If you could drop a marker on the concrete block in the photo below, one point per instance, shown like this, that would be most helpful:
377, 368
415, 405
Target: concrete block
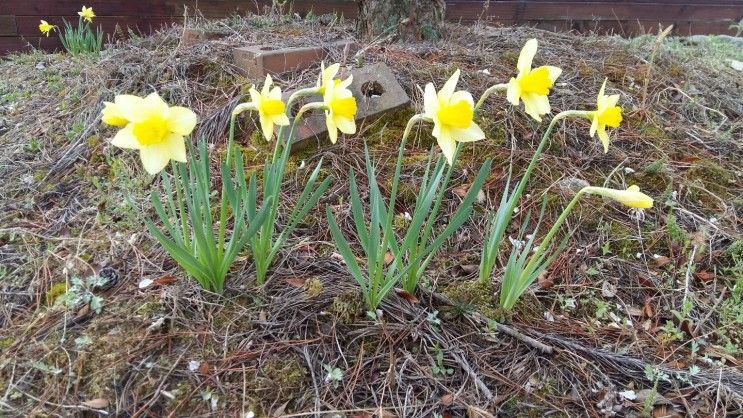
258, 60
377, 92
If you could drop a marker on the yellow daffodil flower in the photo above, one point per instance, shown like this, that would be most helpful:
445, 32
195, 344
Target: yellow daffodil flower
532, 86
45, 27
631, 197
452, 115
607, 114
326, 76
340, 109
87, 14
153, 128
112, 114
271, 109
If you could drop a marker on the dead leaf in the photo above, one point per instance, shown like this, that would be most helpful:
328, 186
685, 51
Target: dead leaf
661, 260
704, 276
461, 191
262, 316
98, 403
467, 269
633, 311
164, 280
388, 258
475, 412
407, 296
383, 413
608, 290
295, 282
203, 368
647, 309
447, 399
545, 281
686, 326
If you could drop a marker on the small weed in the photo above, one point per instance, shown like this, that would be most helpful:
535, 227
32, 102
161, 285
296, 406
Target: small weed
438, 368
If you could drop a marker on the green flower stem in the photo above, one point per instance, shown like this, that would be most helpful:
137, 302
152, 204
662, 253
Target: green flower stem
489, 92
298, 94
513, 199
533, 163
551, 234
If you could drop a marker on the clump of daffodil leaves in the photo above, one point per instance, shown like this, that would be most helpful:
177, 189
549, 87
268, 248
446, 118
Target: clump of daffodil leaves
391, 257
77, 40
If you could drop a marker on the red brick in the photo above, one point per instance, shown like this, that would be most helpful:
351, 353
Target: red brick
258, 60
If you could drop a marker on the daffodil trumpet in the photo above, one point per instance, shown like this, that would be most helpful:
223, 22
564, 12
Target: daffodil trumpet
519, 274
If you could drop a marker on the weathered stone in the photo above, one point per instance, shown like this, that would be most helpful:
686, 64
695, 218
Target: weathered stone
376, 91
258, 60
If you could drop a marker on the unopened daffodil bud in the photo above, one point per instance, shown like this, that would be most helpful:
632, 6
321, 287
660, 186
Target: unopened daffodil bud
631, 197
452, 115
607, 113
153, 128
532, 86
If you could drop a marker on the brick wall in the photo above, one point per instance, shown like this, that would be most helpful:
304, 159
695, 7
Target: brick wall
19, 19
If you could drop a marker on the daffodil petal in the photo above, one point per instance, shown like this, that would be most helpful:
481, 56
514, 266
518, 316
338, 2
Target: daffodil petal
612, 100
430, 102
332, 129
527, 56
155, 103
554, 72
603, 88
346, 83
604, 137
447, 91
594, 125
129, 106
513, 92
347, 126
461, 95
275, 93
471, 134
447, 144
176, 147
266, 127
153, 158
125, 138
267, 85
281, 120
181, 120
532, 106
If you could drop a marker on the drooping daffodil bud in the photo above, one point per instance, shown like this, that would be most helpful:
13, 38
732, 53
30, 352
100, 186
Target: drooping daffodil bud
271, 109
452, 115
152, 127
87, 14
631, 197
45, 27
532, 86
607, 113
340, 108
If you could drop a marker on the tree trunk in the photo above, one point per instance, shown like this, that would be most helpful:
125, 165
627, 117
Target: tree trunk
401, 19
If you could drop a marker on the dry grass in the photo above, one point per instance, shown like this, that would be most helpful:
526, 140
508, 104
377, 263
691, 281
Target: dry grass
64, 214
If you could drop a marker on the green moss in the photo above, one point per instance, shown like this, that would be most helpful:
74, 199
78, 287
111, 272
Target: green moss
314, 287
6, 342
58, 289
623, 241
284, 373
478, 295
348, 307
